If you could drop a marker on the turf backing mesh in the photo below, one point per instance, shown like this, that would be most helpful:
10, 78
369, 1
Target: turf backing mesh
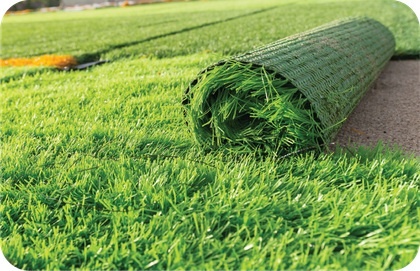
291, 93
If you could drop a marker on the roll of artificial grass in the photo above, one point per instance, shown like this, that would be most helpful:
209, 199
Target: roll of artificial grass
290, 94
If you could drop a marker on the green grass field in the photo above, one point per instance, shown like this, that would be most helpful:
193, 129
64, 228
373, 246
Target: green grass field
100, 172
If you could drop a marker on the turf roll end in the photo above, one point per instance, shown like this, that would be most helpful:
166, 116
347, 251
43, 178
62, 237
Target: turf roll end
245, 107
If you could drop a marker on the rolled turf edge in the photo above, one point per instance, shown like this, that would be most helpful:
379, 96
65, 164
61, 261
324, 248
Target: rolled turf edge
290, 94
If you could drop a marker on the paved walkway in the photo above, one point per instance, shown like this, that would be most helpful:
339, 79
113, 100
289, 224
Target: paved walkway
390, 110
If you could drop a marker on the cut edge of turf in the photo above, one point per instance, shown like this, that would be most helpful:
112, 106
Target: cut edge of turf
261, 111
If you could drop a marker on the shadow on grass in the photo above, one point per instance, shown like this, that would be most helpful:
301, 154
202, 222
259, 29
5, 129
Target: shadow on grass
406, 55
88, 57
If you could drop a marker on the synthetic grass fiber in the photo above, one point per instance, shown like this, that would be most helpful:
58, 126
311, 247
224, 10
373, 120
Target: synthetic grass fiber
290, 94
99, 171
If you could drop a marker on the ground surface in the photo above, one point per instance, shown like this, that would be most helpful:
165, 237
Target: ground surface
390, 110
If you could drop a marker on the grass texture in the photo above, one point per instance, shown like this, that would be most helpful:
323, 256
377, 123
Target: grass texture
99, 171
90, 35
245, 108
112, 138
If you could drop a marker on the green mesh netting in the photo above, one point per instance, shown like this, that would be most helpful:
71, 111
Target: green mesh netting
290, 94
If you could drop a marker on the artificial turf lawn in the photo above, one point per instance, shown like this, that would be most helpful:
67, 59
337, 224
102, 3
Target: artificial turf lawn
244, 34
143, 29
113, 138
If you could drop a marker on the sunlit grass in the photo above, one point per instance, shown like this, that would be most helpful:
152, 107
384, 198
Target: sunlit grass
246, 33
101, 172
94, 34
113, 139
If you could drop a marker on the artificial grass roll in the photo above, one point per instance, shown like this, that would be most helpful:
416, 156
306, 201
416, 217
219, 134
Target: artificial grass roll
291, 94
